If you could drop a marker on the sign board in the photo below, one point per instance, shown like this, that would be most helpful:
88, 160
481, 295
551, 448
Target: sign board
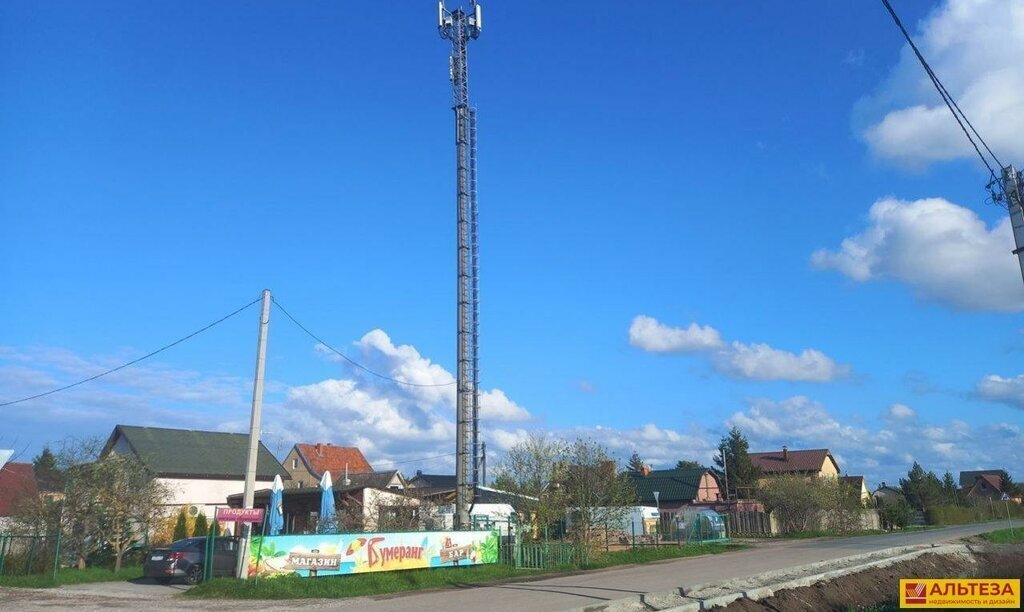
313, 560
1005, 497
240, 515
357, 553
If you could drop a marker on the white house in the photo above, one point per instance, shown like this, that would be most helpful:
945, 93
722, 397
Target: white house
199, 468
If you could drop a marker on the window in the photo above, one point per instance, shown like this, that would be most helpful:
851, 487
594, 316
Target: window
295, 463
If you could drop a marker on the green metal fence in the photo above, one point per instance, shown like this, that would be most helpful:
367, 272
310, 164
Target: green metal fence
22, 555
545, 555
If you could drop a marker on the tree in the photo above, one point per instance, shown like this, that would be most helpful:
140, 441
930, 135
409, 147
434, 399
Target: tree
636, 464
922, 489
793, 501
180, 527
48, 475
686, 464
1009, 487
895, 512
127, 499
950, 492
597, 494
734, 464
532, 468
202, 526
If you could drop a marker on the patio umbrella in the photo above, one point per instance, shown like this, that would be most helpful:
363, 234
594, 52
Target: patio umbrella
275, 521
327, 505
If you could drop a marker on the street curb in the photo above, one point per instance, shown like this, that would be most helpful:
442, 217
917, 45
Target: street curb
689, 599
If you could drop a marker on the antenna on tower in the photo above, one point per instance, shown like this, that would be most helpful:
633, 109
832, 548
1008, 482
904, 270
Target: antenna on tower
459, 27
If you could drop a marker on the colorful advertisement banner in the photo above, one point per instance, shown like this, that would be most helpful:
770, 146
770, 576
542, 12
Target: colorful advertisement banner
357, 553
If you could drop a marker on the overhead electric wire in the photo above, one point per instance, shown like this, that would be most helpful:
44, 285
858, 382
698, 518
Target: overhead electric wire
415, 460
951, 104
133, 361
349, 359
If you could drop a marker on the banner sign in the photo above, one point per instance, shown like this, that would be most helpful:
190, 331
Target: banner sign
240, 515
960, 593
357, 553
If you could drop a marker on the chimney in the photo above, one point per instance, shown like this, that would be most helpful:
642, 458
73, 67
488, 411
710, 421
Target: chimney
785, 454
319, 449
346, 482
645, 470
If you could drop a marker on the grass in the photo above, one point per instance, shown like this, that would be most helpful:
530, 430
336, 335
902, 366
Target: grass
1002, 536
69, 575
379, 583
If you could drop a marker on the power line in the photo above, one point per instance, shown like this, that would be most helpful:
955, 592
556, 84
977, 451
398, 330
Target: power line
415, 460
133, 361
946, 97
350, 360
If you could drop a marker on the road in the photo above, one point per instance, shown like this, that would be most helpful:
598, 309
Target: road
548, 594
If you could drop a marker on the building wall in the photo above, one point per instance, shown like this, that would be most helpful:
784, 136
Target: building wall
206, 494
708, 489
828, 469
301, 477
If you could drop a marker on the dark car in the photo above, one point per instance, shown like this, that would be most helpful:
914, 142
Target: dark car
185, 559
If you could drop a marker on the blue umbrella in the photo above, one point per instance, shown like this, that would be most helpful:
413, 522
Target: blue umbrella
327, 505
275, 521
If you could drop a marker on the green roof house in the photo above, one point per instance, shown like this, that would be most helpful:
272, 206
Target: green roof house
676, 488
200, 468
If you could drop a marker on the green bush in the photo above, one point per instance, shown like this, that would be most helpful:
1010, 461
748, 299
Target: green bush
980, 512
895, 512
202, 527
180, 527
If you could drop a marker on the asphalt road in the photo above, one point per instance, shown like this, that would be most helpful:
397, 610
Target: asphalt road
549, 594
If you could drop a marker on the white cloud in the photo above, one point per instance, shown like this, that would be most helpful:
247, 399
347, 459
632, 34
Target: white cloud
762, 362
495, 405
900, 411
738, 360
974, 47
944, 252
999, 389
654, 337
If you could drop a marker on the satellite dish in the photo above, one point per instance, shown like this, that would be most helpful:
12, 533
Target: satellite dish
192, 510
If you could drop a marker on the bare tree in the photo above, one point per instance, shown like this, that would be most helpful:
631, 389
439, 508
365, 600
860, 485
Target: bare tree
128, 501
598, 495
533, 470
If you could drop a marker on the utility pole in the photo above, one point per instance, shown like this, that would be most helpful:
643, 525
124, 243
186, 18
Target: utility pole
459, 27
254, 426
1012, 192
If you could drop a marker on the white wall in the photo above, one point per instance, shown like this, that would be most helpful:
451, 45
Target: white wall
204, 493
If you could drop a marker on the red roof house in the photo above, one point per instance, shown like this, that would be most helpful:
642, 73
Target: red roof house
813, 462
306, 463
17, 482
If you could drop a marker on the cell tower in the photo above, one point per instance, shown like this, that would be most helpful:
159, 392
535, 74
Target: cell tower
460, 26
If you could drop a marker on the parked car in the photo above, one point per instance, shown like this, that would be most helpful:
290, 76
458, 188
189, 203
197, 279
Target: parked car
185, 559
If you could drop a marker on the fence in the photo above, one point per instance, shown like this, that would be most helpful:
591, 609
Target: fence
21, 555
544, 555
751, 523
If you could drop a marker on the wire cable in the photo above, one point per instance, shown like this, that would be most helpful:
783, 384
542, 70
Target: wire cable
951, 104
133, 361
415, 460
350, 360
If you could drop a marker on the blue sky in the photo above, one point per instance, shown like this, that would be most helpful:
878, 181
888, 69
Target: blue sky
693, 163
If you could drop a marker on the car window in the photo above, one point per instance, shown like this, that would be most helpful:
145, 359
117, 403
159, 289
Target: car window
227, 545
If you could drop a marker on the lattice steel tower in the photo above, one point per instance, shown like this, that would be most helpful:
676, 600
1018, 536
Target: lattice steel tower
460, 26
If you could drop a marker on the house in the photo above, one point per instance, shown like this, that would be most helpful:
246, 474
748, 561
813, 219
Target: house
444, 481
858, 484
817, 462
199, 468
676, 488
968, 477
306, 463
17, 485
986, 486
886, 493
